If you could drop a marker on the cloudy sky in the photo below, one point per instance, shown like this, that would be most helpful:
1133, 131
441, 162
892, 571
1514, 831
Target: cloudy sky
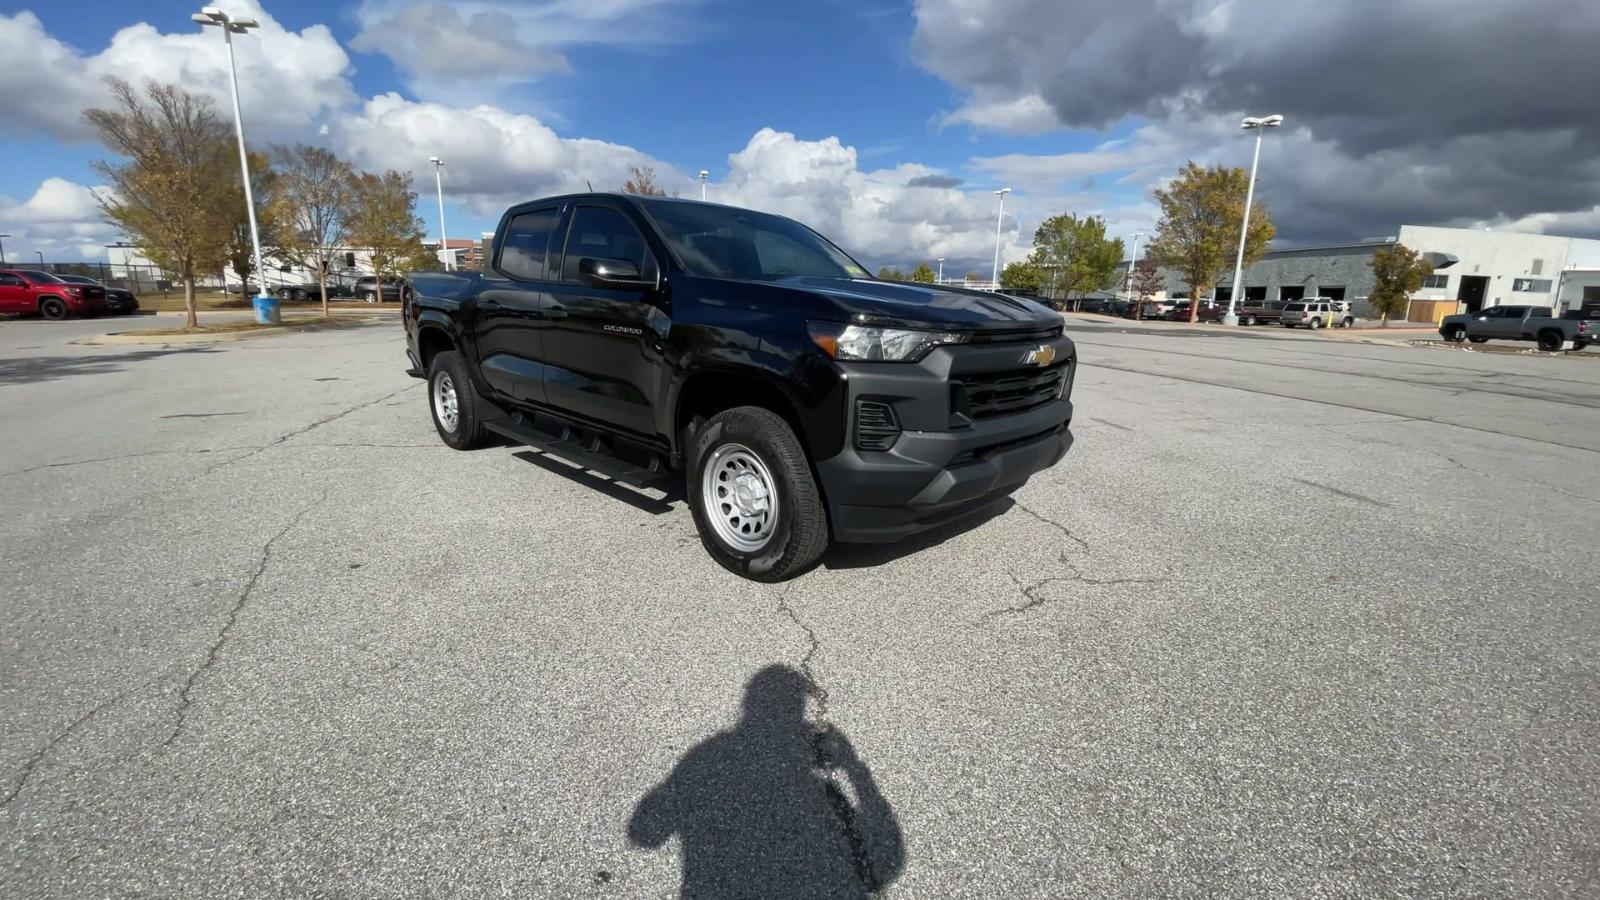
884, 123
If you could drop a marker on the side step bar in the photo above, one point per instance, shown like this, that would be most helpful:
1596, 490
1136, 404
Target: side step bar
588, 455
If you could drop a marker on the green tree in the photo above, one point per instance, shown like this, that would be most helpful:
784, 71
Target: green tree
174, 194
313, 204
1145, 283
1024, 276
1075, 254
1198, 235
1397, 272
922, 274
384, 220
971, 276
241, 250
889, 273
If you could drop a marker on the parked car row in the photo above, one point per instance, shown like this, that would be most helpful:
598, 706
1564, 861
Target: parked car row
362, 289
37, 292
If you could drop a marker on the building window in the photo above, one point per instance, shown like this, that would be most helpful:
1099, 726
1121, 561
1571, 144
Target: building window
1436, 281
1538, 267
1531, 285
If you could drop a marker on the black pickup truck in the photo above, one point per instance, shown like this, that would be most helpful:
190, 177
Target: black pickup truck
801, 397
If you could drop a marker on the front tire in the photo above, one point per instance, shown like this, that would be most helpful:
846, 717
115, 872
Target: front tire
1477, 340
53, 308
1455, 334
755, 503
369, 296
453, 402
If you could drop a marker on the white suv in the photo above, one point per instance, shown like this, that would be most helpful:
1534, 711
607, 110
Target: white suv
1318, 312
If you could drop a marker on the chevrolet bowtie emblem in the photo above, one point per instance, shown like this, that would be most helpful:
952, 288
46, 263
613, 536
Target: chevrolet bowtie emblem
1042, 355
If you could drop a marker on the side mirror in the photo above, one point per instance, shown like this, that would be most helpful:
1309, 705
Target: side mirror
612, 273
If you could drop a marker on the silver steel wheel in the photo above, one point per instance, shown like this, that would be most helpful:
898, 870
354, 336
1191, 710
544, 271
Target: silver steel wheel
740, 498
445, 405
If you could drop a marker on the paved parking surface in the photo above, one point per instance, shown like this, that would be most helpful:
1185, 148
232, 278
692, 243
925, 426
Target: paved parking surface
1294, 618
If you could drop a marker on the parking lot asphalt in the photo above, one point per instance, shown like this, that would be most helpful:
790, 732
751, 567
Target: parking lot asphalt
1293, 618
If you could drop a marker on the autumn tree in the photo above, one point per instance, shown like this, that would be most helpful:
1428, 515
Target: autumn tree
383, 219
1146, 282
1023, 276
174, 194
922, 274
1075, 254
241, 249
642, 180
1397, 272
314, 202
1198, 235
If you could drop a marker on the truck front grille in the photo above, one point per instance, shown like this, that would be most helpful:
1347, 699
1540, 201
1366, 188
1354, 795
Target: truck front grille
999, 393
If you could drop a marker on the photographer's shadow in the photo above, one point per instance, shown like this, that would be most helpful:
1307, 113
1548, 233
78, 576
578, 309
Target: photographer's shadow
761, 810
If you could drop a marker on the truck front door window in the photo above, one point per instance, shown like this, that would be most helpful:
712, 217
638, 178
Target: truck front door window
601, 233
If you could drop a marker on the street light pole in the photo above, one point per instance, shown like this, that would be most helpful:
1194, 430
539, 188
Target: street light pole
3, 248
1259, 125
940, 279
41, 257
703, 176
211, 15
1133, 260
438, 183
994, 280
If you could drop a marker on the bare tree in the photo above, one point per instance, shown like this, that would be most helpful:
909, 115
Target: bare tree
384, 220
642, 180
176, 192
315, 199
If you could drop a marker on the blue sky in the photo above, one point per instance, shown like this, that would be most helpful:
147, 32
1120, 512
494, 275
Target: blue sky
885, 124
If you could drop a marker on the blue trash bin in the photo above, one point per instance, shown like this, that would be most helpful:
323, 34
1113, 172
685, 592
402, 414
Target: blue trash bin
267, 311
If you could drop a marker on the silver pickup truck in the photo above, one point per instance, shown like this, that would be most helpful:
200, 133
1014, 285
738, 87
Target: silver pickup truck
1521, 323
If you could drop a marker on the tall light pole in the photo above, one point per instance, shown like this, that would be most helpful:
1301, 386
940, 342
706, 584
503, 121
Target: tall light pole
994, 281
703, 176
1260, 126
3, 248
940, 279
41, 257
210, 15
444, 239
1133, 260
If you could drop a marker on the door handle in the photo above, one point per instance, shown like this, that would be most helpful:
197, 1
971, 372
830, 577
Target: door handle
555, 312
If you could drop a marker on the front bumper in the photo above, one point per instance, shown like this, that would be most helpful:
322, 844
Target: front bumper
936, 472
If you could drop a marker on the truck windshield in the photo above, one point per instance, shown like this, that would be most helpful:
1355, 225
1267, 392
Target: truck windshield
724, 242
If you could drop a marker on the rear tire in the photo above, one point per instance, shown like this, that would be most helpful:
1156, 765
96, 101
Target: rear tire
453, 403
1551, 341
1248, 320
53, 308
369, 296
1314, 324
1455, 334
1579, 345
743, 462
1478, 340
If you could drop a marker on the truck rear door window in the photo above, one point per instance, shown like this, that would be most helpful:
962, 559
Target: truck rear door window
522, 250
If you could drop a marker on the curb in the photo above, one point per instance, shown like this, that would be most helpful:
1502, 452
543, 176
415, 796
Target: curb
135, 337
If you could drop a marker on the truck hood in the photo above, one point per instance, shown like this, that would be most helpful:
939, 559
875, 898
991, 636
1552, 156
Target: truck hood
895, 302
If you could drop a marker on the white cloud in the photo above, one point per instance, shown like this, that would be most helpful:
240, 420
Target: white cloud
286, 78
442, 49
493, 157
61, 220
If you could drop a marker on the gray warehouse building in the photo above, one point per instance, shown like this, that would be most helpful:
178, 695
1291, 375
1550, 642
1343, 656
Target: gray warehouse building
1475, 268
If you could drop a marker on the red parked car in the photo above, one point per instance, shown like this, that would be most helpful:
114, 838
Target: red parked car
1209, 312
29, 291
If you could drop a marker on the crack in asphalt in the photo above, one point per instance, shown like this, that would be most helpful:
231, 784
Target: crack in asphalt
1053, 524
184, 698
32, 762
821, 734
315, 425
120, 457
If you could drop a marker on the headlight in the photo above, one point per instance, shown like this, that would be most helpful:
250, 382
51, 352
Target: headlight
879, 344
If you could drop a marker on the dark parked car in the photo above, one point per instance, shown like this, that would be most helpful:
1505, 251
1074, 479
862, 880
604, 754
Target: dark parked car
1209, 312
800, 397
118, 301
307, 290
366, 288
1521, 323
35, 291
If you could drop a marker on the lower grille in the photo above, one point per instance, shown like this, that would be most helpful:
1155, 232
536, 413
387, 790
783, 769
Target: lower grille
999, 393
